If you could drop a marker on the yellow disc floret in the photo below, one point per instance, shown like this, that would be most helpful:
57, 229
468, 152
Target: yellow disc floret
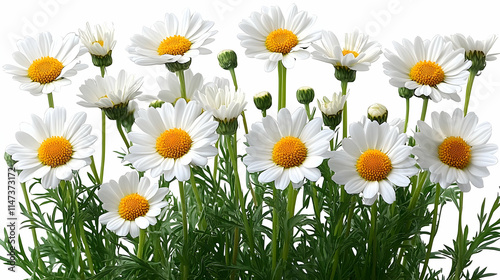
174, 45
281, 41
373, 165
55, 151
454, 152
427, 73
133, 206
45, 70
289, 152
345, 52
173, 143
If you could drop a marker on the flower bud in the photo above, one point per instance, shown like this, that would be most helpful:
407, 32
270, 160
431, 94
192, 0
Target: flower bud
478, 59
345, 74
175, 67
378, 112
405, 92
305, 95
331, 110
263, 100
227, 59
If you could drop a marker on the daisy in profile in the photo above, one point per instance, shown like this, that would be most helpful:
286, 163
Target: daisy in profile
373, 161
100, 42
45, 64
132, 204
271, 36
172, 40
455, 149
476, 51
287, 149
172, 139
170, 89
109, 91
50, 149
357, 53
331, 110
432, 68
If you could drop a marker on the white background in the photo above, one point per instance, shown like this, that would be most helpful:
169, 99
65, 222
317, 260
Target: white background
384, 20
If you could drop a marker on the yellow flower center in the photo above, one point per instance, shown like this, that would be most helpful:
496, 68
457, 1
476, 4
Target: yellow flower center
289, 152
281, 41
173, 143
45, 70
55, 151
373, 165
133, 206
174, 45
454, 152
345, 52
427, 73
100, 42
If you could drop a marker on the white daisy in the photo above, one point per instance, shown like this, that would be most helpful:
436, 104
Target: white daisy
170, 88
470, 45
431, 68
288, 149
132, 204
50, 149
455, 149
172, 139
272, 37
109, 91
358, 53
372, 161
99, 41
332, 107
224, 104
46, 64
172, 40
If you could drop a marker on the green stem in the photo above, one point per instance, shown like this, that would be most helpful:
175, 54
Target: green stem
373, 239
407, 116
281, 85
276, 221
82, 236
203, 223
343, 84
185, 266
103, 70
103, 144
182, 82
94, 170
460, 236
233, 76
433, 230
140, 247
468, 90
292, 198
51, 100
424, 108
33, 230
122, 134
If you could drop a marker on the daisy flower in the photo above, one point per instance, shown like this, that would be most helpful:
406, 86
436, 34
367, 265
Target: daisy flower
455, 149
475, 51
46, 64
51, 149
358, 53
170, 88
224, 104
172, 139
287, 149
132, 204
331, 110
431, 68
270, 36
100, 40
108, 92
172, 40
373, 161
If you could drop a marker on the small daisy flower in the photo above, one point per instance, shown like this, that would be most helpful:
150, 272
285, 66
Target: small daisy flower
331, 110
132, 204
172, 139
455, 149
51, 149
46, 64
100, 40
172, 40
170, 88
224, 104
432, 68
287, 149
373, 161
270, 36
358, 53
109, 91
475, 51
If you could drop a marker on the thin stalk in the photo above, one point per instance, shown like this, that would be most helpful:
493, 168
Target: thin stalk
468, 90
276, 221
103, 71
122, 134
292, 198
433, 231
236, 245
373, 239
82, 236
424, 108
343, 84
103, 144
185, 266
51, 100
33, 230
140, 247
199, 204
460, 236
281, 85
182, 82
407, 116
233, 76
94, 170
